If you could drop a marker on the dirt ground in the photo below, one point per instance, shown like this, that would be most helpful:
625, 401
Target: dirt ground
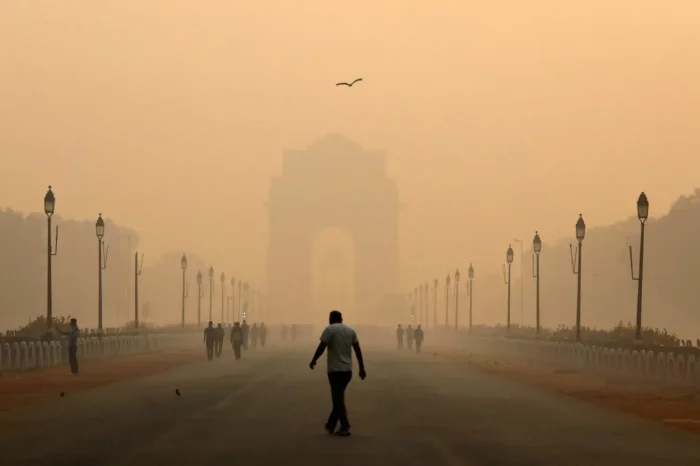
676, 405
21, 389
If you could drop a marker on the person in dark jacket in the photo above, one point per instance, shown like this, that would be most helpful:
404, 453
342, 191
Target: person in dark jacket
210, 340
399, 336
418, 337
254, 334
246, 334
263, 334
73, 334
220, 336
409, 337
237, 340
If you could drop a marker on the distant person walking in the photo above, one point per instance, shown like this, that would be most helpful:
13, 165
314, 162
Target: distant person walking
254, 336
73, 334
263, 334
246, 334
418, 336
237, 340
210, 340
409, 337
399, 336
220, 335
340, 340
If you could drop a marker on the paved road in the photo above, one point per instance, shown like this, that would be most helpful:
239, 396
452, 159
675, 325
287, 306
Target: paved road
269, 409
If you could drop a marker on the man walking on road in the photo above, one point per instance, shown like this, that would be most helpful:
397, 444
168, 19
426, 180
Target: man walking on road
73, 334
263, 334
220, 335
210, 339
340, 340
418, 336
399, 336
409, 337
237, 340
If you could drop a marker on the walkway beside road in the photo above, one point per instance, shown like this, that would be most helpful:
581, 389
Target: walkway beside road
269, 409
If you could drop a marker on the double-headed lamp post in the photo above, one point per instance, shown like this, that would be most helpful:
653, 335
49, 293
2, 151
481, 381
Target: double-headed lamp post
580, 234
456, 297
509, 260
183, 264
470, 292
447, 297
536, 248
49, 207
199, 298
101, 253
211, 291
222, 277
643, 215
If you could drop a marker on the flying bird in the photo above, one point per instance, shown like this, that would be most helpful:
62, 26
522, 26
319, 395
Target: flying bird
177, 392
349, 85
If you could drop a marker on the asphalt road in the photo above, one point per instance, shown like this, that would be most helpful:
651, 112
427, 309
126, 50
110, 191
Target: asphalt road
269, 409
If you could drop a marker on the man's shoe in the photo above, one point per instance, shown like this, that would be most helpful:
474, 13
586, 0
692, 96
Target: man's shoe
329, 429
344, 432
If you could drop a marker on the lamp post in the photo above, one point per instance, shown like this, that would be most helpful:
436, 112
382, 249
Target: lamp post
470, 274
222, 277
419, 297
456, 297
435, 286
232, 317
580, 234
240, 295
509, 259
211, 291
642, 214
137, 274
101, 254
246, 289
183, 264
427, 307
199, 298
536, 248
49, 207
447, 297
522, 278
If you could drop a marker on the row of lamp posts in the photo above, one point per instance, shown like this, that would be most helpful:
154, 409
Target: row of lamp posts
422, 294
576, 261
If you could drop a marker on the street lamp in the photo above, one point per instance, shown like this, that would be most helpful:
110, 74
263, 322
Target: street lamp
240, 301
427, 307
222, 277
643, 215
199, 298
435, 286
137, 273
49, 207
101, 254
536, 248
456, 297
470, 274
183, 264
522, 278
246, 288
447, 297
232, 316
211, 291
580, 234
411, 306
509, 259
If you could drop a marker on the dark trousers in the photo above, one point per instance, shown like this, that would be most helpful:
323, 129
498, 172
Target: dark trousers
237, 349
73, 359
418, 343
409, 342
400, 343
210, 351
338, 381
262, 341
219, 348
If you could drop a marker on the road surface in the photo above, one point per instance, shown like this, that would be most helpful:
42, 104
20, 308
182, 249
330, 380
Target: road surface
269, 409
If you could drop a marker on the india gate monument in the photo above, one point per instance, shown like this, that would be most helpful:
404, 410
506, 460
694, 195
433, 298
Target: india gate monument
333, 184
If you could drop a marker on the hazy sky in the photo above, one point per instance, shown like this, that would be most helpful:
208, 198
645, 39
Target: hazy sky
498, 117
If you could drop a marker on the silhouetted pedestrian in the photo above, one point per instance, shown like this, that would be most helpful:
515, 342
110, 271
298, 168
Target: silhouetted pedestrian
294, 332
73, 334
340, 339
220, 335
246, 334
409, 337
418, 336
254, 336
399, 336
263, 334
237, 340
210, 340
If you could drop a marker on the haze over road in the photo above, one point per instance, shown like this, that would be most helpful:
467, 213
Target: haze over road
269, 409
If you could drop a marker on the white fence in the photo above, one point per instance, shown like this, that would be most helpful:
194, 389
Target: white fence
662, 366
35, 355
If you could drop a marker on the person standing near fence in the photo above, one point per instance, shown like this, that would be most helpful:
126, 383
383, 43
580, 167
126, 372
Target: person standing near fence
73, 334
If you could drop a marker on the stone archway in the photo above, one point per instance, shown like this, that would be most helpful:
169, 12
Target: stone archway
333, 183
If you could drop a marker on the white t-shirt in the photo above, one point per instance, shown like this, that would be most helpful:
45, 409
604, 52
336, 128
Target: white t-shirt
339, 339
